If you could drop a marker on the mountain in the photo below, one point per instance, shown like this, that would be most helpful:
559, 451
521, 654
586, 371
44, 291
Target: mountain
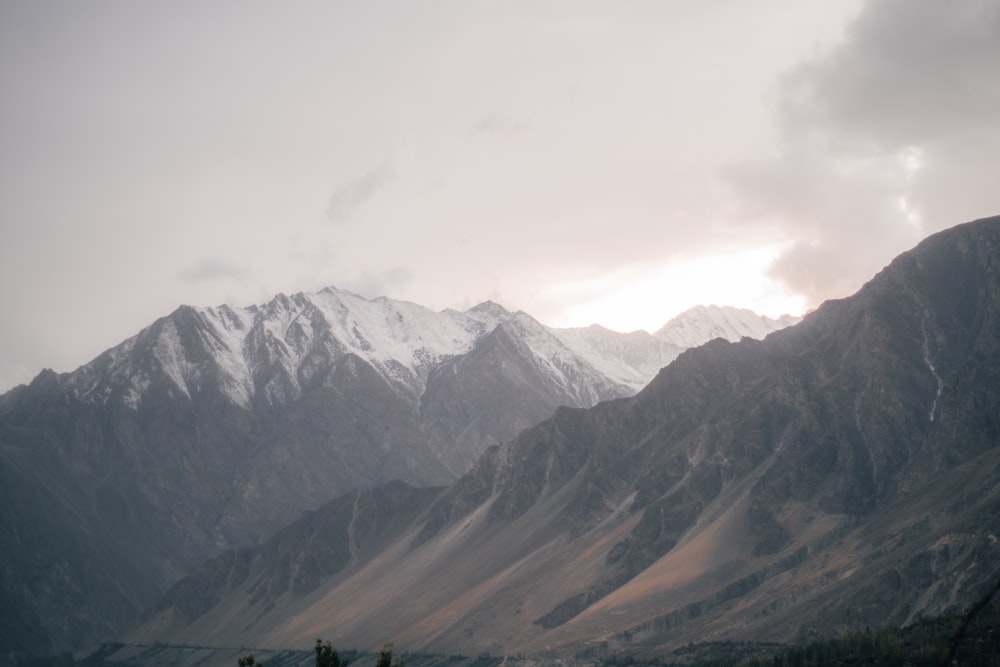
704, 323
214, 427
841, 473
633, 359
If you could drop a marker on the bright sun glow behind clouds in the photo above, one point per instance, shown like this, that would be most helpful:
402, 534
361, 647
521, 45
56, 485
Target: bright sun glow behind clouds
636, 297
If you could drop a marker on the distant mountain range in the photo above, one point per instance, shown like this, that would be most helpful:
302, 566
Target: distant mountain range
213, 427
843, 472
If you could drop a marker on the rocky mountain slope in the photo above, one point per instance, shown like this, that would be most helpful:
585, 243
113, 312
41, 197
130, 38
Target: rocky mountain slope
215, 426
841, 473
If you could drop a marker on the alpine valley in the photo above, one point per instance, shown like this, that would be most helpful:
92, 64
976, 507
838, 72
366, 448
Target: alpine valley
214, 427
841, 473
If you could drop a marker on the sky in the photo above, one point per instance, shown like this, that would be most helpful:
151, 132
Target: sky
610, 162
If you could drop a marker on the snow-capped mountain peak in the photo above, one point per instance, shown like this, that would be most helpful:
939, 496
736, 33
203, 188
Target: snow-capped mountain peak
700, 324
271, 351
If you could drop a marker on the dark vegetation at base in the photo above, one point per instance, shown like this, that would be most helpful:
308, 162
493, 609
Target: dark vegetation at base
970, 640
327, 656
939, 641
155, 655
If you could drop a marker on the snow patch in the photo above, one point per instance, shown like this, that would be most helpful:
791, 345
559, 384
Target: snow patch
930, 365
701, 324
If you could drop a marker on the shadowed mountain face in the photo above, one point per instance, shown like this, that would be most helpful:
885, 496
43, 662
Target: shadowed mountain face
841, 473
216, 426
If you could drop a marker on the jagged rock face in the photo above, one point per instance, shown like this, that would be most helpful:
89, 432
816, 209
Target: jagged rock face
499, 389
213, 427
843, 472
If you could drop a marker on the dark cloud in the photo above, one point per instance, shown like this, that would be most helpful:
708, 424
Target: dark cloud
841, 216
349, 196
884, 139
909, 73
212, 268
371, 285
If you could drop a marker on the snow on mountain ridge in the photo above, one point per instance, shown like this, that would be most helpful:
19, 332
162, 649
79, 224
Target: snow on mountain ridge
264, 347
631, 359
270, 351
575, 372
701, 324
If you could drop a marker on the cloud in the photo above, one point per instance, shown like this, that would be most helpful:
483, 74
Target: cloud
371, 285
842, 215
884, 139
909, 73
352, 194
212, 268
497, 123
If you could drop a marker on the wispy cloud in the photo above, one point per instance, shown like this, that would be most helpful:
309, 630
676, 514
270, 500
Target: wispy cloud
348, 196
371, 285
212, 268
497, 123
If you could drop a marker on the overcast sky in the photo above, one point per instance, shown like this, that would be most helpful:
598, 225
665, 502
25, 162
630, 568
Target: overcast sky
612, 162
